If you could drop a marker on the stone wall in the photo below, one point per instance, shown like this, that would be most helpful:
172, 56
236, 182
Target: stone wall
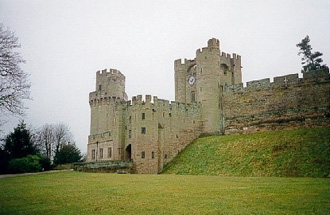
157, 131
288, 102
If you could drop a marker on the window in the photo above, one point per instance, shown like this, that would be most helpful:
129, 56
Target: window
152, 155
143, 154
224, 68
130, 134
109, 152
170, 114
165, 156
119, 151
101, 152
93, 154
143, 130
193, 97
143, 115
130, 119
100, 87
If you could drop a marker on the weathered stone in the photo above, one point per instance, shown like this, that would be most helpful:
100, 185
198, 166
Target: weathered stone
209, 99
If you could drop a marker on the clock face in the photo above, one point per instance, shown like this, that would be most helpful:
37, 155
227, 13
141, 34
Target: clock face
191, 80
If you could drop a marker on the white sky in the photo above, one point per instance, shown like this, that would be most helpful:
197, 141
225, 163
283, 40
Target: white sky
65, 42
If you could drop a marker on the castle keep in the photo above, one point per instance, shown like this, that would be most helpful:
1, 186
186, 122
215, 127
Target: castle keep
209, 98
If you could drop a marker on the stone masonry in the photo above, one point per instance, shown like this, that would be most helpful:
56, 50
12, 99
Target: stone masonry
209, 98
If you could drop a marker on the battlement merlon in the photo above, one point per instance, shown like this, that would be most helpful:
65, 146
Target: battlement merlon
110, 72
235, 59
180, 64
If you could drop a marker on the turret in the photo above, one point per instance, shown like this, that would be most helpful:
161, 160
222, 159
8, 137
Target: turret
110, 89
111, 83
208, 84
213, 43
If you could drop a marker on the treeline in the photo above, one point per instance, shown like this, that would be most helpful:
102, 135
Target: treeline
33, 150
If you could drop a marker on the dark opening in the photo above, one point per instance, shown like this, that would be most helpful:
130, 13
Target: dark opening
129, 152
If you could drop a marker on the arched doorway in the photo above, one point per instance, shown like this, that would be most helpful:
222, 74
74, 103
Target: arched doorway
128, 151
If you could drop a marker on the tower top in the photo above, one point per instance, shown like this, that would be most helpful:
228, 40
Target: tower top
213, 43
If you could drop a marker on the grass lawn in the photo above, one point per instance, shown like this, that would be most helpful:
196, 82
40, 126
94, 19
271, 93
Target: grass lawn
101, 193
293, 153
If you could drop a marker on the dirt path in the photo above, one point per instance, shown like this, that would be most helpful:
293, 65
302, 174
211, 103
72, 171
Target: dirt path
34, 173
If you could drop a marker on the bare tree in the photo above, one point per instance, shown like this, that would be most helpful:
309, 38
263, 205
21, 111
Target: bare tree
62, 136
52, 137
14, 84
45, 139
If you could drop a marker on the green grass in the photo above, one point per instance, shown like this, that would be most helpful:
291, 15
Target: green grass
294, 153
103, 193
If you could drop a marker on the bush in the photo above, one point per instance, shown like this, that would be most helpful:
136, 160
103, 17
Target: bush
29, 163
45, 163
4, 159
67, 154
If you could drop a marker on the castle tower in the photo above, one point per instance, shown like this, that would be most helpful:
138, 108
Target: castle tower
111, 83
202, 80
208, 86
106, 102
182, 72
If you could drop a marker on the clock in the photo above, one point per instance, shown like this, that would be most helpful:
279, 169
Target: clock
191, 80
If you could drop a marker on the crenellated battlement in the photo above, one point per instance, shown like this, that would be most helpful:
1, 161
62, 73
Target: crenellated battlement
109, 72
183, 63
160, 104
281, 81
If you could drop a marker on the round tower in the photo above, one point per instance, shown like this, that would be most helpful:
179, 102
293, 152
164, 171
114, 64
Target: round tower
208, 85
106, 102
111, 83
110, 87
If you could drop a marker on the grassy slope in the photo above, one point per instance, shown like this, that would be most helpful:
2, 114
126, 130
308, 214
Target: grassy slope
100, 193
303, 152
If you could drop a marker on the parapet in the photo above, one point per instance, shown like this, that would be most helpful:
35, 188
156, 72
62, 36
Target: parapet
236, 59
259, 83
281, 81
212, 44
162, 104
101, 99
183, 63
110, 72
285, 80
317, 74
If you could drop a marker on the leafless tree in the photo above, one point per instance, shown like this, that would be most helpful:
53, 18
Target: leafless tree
50, 138
14, 83
45, 139
62, 136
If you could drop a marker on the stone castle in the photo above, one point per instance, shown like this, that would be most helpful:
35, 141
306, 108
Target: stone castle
209, 99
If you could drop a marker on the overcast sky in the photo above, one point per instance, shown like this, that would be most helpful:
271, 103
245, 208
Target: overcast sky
65, 42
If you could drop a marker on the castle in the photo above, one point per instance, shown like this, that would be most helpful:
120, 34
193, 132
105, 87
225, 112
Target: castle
209, 99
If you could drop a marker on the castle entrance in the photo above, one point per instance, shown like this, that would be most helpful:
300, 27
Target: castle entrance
128, 154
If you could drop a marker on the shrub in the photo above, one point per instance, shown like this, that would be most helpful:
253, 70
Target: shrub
29, 163
45, 163
67, 154
4, 159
